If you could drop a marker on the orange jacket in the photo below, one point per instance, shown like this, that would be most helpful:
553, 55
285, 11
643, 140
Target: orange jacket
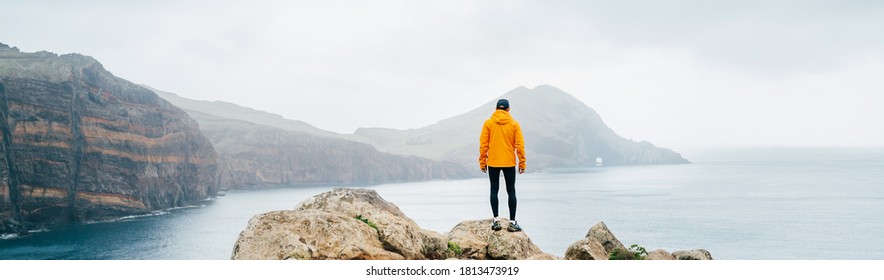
501, 141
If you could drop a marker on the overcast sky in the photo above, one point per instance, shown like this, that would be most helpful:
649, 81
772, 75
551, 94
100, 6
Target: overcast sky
678, 74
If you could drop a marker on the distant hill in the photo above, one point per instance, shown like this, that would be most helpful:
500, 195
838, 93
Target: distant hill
559, 130
237, 112
257, 149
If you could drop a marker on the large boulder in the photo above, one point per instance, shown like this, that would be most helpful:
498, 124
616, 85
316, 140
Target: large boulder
660, 255
586, 249
11, 226
602, 234
309, 234
397, 232
695, 254
477, 241
597, 245
339, 224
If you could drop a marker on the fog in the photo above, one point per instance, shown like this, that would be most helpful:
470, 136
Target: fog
691, 73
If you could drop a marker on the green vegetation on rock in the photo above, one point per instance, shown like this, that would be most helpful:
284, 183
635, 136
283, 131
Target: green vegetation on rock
454, 248
634, 252
367, 222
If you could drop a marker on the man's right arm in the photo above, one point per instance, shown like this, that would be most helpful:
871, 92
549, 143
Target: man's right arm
483, 147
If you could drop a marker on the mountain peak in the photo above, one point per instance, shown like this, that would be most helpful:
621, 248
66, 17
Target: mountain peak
543, 89
561, 131
541, 97
4, 47
546, 87
548, 90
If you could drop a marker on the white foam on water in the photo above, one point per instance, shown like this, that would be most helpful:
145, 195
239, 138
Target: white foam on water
151, 214
6, 236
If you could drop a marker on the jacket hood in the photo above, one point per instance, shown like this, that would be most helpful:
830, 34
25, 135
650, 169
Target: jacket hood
501, 117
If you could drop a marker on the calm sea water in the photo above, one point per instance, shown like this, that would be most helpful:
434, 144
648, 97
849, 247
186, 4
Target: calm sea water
770, 203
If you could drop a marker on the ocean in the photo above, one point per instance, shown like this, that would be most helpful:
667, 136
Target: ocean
738, 203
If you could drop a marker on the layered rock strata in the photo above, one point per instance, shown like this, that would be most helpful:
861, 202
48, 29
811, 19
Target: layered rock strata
80, 144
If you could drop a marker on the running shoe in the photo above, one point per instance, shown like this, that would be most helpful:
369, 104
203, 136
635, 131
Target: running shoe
514, 227
496, 225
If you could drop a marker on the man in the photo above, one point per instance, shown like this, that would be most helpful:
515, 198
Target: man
499, 144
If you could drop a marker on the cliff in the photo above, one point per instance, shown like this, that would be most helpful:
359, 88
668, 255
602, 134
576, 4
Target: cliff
348, 224
257, 149
80, 144
559, 131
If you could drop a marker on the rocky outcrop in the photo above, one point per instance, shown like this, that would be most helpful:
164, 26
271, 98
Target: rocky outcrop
309, 234
660, 255
346, 224
597, 245
359, 224
600, 232
79, 143
478, 242
258, 149
601, 244
586, 249
15, 227
696, 254
396, 232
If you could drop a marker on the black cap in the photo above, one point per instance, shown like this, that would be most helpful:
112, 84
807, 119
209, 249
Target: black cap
503, 104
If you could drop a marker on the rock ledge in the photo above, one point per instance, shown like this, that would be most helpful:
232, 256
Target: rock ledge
358, 224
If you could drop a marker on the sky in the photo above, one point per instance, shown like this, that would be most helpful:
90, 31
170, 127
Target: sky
675, 73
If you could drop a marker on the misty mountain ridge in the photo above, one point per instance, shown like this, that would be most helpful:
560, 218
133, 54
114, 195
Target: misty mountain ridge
226, 110
257, 149
559, 130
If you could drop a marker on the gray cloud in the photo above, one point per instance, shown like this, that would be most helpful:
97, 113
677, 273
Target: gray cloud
683, 73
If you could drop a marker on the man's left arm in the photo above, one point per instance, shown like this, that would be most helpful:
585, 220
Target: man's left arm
520, 148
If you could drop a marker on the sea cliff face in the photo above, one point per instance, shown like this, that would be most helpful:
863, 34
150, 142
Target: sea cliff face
80, 144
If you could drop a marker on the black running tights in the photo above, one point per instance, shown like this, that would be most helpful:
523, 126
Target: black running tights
509, 174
